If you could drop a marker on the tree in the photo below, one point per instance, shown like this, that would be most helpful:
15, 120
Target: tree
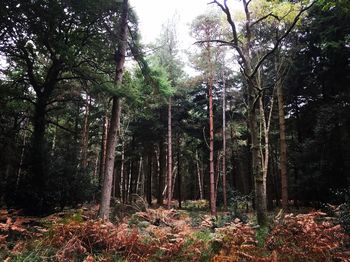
48, 53
167, 57
250, 66
204, 28
112, 134
282, 132
224, 185
317, 103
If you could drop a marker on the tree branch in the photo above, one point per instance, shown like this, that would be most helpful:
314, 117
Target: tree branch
226, 10
263, 18
296, 19
230, 43
30, 69
60, 126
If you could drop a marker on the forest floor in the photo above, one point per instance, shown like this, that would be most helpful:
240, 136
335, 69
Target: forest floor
189, 234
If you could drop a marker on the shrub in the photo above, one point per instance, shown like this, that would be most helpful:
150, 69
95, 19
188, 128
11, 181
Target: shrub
201, 204
307, 237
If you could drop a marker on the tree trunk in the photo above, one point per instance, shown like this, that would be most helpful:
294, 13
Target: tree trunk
139, 177
103, 149
96, 164
260, 197
122, 174
199, 176
170, 163
19, 172
211, 148
224, 143
179, 179
283, 145
110, 156
217, 172
149, 179
115, 117
38, 154
162, 170
85, 134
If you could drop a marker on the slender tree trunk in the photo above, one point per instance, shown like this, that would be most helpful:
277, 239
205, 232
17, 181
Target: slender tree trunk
128, 186
199, 176
116, 183
224, 187
115, 118
174, 177
19, 172
162, 170
211, 148
96, 164
103, 149
133, 173
157, 156
211, 132
53, 147
179, 178
283, 145
139, 177
122, 174
149, 179
264, 151
170, 163
85, 133
217, 178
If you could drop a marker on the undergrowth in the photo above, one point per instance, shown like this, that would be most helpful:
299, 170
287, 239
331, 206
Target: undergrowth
167, 235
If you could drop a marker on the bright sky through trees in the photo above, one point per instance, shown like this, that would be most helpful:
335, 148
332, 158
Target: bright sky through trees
154, 13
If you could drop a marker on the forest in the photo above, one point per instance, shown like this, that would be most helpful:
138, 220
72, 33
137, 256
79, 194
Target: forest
236, 149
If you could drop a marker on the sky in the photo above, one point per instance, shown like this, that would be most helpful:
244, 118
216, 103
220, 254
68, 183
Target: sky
154, 13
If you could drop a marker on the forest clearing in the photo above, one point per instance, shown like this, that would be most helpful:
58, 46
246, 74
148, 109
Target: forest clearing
180, 130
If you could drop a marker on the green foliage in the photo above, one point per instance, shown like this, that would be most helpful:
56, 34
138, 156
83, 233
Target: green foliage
129, 89
342, 212
196, 205
344, 216
238, 203
160, 79
262, 234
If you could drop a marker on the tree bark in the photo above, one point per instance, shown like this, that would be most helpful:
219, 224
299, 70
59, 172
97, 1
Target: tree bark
179, 178
103, 149
211, 148
224, 187
85, 133
170, 163
19, 172
199, 176
38, 153
149, 179
211, 134
115, 118
283, 145
162, 171
139, 177
122, 174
